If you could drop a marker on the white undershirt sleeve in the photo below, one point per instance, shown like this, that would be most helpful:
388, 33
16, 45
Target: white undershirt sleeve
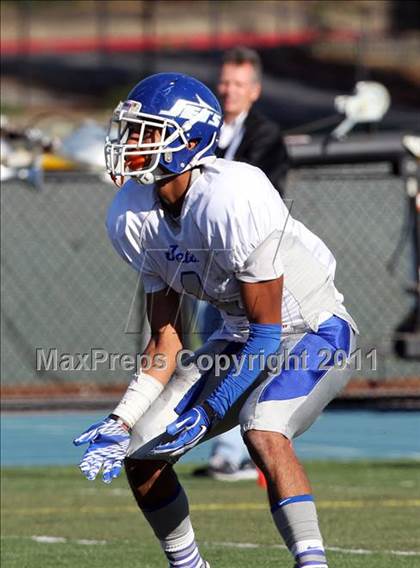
264, 263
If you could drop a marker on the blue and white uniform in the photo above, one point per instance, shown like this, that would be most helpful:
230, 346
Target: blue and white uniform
235, 227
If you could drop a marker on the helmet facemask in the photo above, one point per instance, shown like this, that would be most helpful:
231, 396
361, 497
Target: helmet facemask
170, 138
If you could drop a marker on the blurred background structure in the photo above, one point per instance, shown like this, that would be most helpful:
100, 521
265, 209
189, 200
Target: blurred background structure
64, 67
65, 56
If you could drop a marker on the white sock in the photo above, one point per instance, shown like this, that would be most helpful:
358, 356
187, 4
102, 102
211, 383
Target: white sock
297, 522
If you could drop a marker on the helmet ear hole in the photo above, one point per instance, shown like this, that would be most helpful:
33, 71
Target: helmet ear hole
193, 143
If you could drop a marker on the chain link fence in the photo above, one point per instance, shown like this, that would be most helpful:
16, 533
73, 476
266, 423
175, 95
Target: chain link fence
361, 213
63, 286
69, 301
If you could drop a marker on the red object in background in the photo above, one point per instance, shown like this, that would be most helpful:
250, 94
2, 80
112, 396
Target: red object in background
261, 480
36, 46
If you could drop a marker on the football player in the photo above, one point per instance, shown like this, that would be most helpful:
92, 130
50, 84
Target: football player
217, 230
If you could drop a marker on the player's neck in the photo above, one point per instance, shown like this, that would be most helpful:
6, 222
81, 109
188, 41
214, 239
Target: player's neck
173, 191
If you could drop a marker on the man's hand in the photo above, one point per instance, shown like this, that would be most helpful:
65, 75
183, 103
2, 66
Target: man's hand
189, 429
108, 444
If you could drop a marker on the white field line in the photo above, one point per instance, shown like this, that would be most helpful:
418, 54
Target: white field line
331, 548
59, 539
244, 545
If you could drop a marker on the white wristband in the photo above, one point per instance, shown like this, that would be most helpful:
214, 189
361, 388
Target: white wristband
141, 393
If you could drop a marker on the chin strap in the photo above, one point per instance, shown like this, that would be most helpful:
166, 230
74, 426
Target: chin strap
159, 174
118, 180
152, 177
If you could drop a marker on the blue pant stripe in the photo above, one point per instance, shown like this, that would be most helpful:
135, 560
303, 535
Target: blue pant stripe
309, 361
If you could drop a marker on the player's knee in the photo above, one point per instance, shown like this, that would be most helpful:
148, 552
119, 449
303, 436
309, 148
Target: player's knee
267, 447
149, 480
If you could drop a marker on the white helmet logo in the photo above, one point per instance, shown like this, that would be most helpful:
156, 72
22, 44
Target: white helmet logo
193, 112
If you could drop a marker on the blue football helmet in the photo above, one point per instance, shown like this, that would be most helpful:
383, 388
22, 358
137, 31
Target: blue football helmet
180, 110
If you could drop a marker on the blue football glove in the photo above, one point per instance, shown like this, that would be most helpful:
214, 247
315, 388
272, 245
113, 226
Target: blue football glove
189, 429
108, 444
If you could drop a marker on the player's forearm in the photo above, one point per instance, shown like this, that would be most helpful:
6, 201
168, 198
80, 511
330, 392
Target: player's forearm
263, 341
161, 352
262, 301
146, 386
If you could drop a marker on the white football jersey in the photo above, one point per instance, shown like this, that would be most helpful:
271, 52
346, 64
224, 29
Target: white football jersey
233, 227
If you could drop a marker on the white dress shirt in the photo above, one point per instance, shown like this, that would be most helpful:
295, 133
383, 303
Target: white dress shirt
231, 135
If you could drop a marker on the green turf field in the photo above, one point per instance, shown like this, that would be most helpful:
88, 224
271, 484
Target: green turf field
371, 507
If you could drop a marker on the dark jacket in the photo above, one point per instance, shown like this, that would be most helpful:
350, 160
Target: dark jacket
262, 146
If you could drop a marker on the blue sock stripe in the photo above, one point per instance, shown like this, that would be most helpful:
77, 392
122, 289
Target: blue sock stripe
314, 552
200, 563
180, 555
164, 503
289, 500
193, 561
313, 563
181, 551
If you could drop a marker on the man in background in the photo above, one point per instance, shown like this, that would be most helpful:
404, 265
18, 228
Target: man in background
246, 136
